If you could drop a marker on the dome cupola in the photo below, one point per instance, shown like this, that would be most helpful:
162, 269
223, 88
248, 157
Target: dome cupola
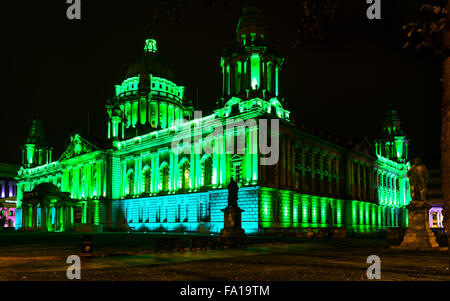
251, 24
150, 63
394, 144
148, 99
251, 69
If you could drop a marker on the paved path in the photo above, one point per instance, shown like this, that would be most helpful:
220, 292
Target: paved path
316, 260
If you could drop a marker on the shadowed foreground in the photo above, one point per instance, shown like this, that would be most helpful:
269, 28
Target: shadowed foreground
131, 257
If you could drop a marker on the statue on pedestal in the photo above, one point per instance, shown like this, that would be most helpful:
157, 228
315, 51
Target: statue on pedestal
418, 178
233, 190
419, 235
232, 233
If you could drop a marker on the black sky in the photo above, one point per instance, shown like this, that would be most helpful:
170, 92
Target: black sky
63, 69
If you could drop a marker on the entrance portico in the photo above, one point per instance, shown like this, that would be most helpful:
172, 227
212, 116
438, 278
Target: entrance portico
48, 209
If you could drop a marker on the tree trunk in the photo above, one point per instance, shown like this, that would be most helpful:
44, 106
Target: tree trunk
445, 136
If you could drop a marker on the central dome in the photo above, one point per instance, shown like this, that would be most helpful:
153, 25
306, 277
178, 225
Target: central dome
150, 63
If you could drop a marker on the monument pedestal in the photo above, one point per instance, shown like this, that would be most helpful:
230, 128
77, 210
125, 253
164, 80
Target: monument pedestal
418, 236
232, 234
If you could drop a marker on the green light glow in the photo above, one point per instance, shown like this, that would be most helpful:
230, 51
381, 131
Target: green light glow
30, 153
361, 210
314, 206
339, 212
305, 211
255, 69
354, 216
145, 167
295, 208
323, 212
150, 46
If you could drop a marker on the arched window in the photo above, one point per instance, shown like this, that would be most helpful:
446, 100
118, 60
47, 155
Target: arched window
334, 186
164, 176
70, 183
207, 171
184, 175
147, 179
308, 158
325, 162
317, 183
130, 178
236, 168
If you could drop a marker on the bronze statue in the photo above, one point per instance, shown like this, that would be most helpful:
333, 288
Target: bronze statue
233, 194
418, 178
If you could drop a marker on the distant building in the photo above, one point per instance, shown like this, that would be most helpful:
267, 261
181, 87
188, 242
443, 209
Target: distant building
138, 179
8, 193
435, 197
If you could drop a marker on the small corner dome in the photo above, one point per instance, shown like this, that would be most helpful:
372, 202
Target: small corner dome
151, 63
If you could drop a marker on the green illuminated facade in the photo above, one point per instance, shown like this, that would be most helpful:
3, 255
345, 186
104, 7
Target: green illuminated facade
140, 179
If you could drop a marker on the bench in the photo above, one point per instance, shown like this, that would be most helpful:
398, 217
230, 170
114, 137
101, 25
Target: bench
203, 243
233, 242
169, 245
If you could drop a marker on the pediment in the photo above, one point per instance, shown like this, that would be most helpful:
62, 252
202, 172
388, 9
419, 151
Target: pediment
78, 147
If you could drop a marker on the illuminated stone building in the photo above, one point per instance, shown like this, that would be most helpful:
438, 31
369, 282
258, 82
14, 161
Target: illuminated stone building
8, 192
141, 179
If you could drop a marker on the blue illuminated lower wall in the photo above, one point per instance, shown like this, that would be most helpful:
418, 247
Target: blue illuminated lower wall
18, 219
194, 212
264, 209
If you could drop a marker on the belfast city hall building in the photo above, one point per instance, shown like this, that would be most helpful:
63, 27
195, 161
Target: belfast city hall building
162, 167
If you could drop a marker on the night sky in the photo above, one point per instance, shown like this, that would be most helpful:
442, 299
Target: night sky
62, 69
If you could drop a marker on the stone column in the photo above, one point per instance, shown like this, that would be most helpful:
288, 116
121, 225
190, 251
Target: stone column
50, 218
153, 173
192, 168
176, 175
24, 216
254, 133
43, 218
216, 163
62, 218
171, 172
85, 213
124, 178
364, 182
34, 216
67, 218
56, 218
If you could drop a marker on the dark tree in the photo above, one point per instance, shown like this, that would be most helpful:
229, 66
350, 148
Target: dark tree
432, 32
316, 19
